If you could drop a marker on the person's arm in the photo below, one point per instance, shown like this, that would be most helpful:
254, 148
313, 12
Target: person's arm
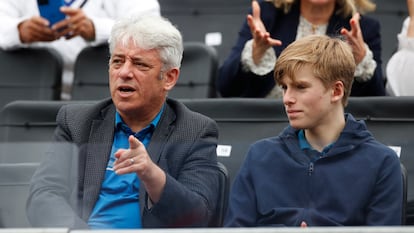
185, 196
191, 191
410, 26
238, 76
103, 17
36, 29
242, 207
406, 36
76, 23
363, 55
12, 13
52, 200
136, 159
262, 40
373, 86
399, 67
385, 206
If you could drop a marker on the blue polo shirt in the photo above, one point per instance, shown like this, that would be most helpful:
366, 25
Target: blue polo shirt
308, 149
118, 202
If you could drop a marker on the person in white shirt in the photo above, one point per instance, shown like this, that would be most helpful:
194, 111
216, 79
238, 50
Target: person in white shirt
399, 68
87, 23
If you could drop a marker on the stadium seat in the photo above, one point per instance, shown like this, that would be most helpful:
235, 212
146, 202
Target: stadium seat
14, 190
222, 202
22, 152
198, 72
405, 190
30, 74
29, 120
212, 22
241, 122
91, 74
18, 162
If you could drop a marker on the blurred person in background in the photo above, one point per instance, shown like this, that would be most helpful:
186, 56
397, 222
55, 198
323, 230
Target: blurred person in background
399, 70
87, 23
272, 25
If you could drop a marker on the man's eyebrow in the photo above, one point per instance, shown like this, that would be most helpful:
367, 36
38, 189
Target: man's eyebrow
117, 55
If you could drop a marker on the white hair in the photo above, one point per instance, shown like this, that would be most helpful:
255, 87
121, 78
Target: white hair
150, 32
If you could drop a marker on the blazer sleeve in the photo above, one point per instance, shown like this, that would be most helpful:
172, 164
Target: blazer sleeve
12, 13
385, 206
375, 86
191, 191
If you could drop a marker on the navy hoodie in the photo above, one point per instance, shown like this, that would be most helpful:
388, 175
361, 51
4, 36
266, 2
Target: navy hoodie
357, 182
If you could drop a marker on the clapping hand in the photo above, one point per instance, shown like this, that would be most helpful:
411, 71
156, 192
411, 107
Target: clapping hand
355, 39
261, 37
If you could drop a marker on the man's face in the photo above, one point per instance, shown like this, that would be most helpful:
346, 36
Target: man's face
135, 79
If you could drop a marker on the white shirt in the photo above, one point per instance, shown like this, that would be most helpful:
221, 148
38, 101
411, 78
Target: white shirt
400, 79
103, 13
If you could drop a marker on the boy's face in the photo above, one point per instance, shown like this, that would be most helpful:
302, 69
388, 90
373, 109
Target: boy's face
307, 102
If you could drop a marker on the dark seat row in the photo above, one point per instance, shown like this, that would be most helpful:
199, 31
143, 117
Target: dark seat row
35, 74
32, 74
18, 162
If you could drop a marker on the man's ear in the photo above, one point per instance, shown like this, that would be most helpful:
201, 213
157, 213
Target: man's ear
170, 78
337, 91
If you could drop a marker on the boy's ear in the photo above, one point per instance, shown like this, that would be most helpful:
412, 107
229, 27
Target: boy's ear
337, 91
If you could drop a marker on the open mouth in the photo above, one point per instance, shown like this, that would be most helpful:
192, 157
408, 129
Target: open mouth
126, 89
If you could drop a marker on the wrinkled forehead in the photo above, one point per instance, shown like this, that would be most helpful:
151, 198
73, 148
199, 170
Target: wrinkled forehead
132, 47
131, 42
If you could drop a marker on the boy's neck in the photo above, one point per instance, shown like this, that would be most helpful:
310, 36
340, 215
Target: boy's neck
326, 133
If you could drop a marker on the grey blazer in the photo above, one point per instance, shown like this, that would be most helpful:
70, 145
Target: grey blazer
64, 189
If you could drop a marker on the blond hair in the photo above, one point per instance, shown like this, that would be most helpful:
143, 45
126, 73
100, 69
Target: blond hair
330, 59
345, 7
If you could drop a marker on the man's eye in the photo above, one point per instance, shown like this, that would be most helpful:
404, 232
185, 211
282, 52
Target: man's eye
142, 66
116, 61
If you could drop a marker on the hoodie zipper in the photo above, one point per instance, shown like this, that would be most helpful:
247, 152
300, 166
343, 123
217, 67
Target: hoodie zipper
310, 169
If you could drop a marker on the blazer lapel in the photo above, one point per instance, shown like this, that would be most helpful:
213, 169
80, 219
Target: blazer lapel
158, 140
97, 156
161, 133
